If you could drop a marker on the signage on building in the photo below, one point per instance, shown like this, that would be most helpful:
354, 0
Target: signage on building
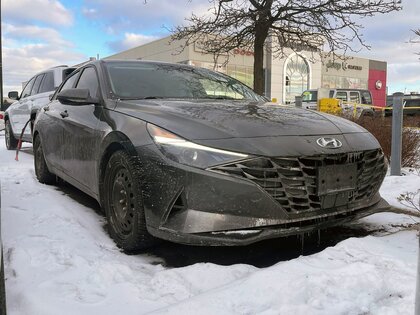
243, 52
378, 84
341, 66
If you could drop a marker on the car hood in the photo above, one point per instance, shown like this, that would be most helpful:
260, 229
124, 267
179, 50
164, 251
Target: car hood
223, 119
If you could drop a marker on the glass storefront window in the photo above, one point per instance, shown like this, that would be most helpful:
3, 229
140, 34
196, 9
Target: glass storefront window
241, 73
296, 77
339, 82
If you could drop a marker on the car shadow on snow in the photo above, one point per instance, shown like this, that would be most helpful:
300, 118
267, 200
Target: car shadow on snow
262, 254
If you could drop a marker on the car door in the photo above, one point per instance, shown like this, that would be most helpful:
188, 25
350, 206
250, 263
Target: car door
52, 136
80, 134
17, 112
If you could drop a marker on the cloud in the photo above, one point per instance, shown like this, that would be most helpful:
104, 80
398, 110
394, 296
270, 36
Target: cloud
129, 15
28, 50
50, 12
389, 37
34, 33
131, 40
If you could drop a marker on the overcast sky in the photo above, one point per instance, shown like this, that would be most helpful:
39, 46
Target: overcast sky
38, 34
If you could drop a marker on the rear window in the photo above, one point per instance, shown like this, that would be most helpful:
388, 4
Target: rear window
354, 97
412, 103
366, 98
341, 95
47, 84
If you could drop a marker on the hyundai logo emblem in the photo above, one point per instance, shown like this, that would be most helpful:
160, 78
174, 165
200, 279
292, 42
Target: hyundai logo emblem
329, 143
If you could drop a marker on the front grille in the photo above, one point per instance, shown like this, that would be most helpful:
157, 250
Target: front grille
293, 182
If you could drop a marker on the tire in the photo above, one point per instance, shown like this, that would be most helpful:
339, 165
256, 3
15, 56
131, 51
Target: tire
41, 169
11, 141
123, 203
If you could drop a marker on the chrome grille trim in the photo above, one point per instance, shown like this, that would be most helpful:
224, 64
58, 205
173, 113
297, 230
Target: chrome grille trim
292, 181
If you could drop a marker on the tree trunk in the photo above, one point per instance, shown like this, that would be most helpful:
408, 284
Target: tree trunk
261, 33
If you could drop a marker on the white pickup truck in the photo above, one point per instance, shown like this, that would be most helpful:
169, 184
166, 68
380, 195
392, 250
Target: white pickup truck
348, 97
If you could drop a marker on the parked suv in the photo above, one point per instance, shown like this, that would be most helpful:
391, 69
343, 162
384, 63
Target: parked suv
349, 97
35, 94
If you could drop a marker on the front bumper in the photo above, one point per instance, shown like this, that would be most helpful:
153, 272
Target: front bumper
192, 206
248, 236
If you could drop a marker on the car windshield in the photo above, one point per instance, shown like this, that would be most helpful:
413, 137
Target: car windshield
139, 80
310, 96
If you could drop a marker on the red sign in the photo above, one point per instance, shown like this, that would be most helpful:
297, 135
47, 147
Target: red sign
243, 52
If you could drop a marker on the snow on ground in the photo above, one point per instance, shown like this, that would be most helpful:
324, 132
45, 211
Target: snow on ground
60, 260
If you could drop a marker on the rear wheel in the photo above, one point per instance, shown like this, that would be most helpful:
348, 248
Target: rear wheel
123, 203
41, 169
11, 141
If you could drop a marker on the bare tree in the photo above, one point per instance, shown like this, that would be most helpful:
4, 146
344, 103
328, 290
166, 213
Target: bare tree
247, 24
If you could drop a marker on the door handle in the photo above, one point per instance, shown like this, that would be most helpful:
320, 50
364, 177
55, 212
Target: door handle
64, 114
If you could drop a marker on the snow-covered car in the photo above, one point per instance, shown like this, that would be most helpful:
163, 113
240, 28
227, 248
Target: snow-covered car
194, 156
34, 95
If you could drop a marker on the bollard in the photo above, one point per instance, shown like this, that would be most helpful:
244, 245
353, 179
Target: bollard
298, 101
396, 144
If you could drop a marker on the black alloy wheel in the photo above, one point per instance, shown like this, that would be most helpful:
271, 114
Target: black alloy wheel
123, 203
11, 141
41, 169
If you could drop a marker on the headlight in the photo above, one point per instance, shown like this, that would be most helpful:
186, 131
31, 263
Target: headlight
189, 153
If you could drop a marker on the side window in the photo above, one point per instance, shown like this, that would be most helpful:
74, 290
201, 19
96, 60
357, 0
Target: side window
70, 82
413, 103
47, 84
37, 83
88, 80
27, 90
354, 97
366, 98
342, 96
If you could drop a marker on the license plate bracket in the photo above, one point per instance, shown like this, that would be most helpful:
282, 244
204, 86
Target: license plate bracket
333, 179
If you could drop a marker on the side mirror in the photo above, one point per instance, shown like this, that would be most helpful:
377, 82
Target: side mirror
14, 95
76, 97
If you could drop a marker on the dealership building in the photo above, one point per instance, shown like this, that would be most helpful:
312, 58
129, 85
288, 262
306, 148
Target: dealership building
285, 76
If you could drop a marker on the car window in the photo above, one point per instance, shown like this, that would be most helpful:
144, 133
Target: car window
310, 96
27, 90
70, 82
366, 98
89, 80
131, 80
412, 103
354, 97
36, 85
47, 84
342, 96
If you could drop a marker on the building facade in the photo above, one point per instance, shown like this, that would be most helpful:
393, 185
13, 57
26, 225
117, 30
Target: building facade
286, 76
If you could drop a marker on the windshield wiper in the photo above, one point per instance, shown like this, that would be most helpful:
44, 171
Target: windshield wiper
222, 98
140, 98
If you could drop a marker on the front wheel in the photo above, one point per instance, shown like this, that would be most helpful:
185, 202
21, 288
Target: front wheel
11, 141
123, 203
41, 169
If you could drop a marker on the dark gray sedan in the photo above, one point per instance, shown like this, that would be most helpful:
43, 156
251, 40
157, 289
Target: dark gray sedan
193, 156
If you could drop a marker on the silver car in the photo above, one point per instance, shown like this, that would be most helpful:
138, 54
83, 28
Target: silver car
35, 94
